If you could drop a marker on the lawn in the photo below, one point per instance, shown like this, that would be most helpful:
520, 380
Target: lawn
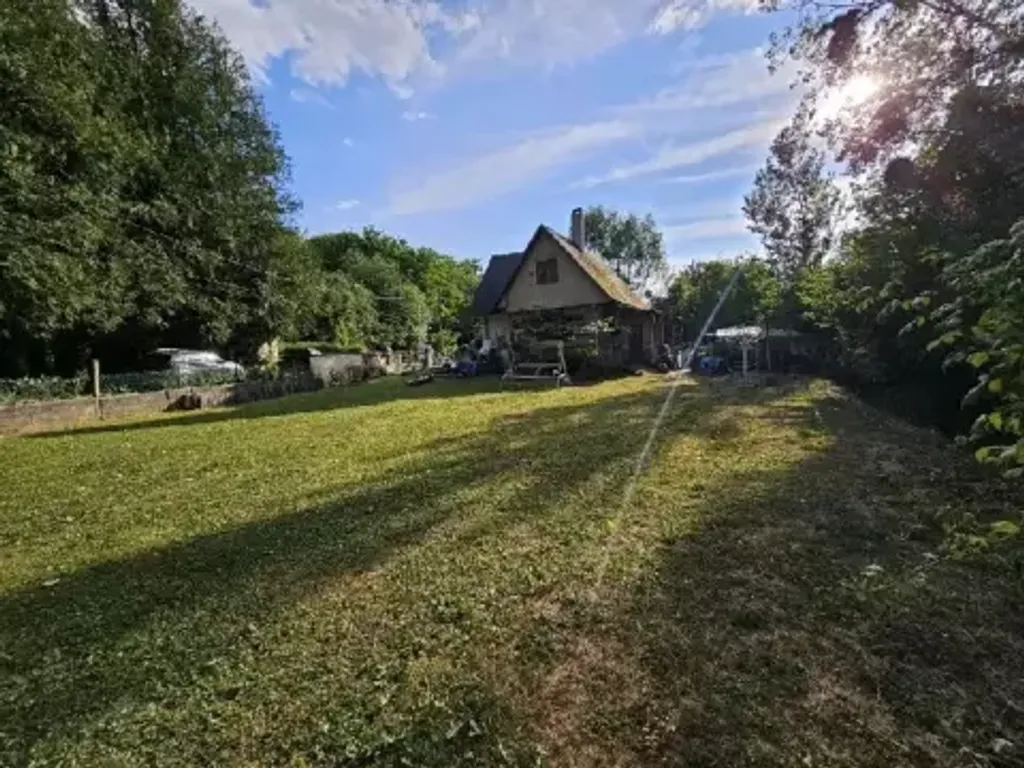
456, 575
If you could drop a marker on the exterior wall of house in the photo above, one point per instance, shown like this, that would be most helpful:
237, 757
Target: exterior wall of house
653, 338
574, 286
496, 327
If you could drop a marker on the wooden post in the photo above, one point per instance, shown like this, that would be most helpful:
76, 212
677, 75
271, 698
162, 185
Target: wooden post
95, 378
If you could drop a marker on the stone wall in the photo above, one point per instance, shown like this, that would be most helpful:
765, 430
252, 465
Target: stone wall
326, 370
40, 416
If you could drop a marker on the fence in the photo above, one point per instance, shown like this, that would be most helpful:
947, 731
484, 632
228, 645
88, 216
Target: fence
30, 416
58, 388
29, 404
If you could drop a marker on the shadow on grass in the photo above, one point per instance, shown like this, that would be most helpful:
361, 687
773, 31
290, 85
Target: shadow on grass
375, 392
83, 647
813, 619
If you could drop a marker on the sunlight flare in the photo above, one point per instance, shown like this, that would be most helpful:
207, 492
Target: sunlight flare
852, 93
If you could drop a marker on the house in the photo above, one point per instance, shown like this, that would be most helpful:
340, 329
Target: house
555, 276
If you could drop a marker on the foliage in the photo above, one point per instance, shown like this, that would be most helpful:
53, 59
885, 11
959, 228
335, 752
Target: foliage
42, 388
918, 296
923, 51
793, 204
380, 291
141, 186
985, 327
346, 313
143, 204
61, 388
761, 291
154, 381
632, 245
693, 293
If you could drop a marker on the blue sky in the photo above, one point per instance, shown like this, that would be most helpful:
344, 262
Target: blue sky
462, 125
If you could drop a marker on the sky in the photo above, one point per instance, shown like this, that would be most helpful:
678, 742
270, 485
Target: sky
463, 124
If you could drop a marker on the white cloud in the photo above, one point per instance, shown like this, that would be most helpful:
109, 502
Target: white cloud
401, 41
412, 116
701, 208
309, 96
756, 135
348, 142
553, 32
723, 81
700, 178
686, 14
691, 104
346, 205
404, 92
507, 169
705, 229
729, 84
330, 40
675, 16
460, 24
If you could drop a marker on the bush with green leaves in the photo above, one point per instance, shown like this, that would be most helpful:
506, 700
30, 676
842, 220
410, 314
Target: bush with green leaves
984, 325
42, 388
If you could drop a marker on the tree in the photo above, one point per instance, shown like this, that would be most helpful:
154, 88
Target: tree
632, 245
693, 294
762, 291
142, 191
448, 286
346, 314
793, 203
916, 52
923, 293
418, 293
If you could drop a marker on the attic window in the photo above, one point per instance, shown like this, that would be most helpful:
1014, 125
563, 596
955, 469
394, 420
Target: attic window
547, 272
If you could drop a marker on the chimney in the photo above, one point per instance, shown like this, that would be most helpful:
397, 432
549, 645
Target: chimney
578, 229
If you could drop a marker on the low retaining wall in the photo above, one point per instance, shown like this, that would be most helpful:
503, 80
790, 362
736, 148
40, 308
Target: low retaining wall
347, 367
340, 368
37, 416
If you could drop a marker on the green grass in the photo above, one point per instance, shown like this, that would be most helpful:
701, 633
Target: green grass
447, 575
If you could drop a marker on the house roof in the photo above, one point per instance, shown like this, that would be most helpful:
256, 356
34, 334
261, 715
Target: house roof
500, 270
601, 272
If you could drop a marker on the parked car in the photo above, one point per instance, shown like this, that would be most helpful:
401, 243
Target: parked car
189, 362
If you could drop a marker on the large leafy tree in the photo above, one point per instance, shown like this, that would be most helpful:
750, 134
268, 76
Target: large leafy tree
755, 300
794, 204
61, 168
631, 244
937, 141
919, 52
417, 293
142, 187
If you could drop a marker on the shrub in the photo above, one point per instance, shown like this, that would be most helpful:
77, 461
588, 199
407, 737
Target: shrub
42, 388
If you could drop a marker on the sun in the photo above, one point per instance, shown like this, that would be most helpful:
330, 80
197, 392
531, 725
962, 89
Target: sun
852, 93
